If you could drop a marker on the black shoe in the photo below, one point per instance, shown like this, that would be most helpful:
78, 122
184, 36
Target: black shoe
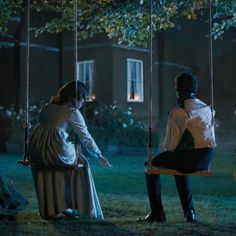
150, 218
191, 217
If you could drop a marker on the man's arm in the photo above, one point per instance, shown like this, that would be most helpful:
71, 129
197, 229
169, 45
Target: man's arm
176, 125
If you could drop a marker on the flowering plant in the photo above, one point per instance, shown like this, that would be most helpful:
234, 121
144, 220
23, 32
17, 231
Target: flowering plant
114, 125
16, 121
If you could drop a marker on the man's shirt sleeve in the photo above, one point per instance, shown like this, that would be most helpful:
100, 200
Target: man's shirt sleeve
176, 125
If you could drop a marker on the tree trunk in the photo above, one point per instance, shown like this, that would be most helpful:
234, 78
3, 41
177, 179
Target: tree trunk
10, 199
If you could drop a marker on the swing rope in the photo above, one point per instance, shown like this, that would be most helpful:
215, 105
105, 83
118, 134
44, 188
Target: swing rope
75, 44
75, 8
149, 169
211, 66
27, 71
150, 87
25, 160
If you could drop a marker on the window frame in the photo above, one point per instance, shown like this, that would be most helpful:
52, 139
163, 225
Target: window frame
128, 80
90, 97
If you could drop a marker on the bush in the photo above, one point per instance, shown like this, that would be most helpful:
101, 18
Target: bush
16, 120
112, 125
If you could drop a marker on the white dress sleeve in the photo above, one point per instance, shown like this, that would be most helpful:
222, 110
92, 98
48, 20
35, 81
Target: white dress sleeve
78, 124
175, 127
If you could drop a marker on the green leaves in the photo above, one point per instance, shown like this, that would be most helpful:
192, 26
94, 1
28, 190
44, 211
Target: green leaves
224, 17
7, 9
126, 20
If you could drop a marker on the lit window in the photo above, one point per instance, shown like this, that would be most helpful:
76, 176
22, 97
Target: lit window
134, 80
85, 74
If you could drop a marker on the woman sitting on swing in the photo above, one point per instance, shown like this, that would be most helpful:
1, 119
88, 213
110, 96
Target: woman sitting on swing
61, 188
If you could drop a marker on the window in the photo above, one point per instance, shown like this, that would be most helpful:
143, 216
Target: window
134, 80
85, 74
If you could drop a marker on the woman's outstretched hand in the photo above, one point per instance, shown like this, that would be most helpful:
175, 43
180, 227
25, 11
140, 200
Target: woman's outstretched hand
104, 162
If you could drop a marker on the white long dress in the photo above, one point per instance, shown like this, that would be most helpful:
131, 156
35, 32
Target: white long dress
60, 188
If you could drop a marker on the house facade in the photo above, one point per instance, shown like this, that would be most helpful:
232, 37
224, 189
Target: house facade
117, 74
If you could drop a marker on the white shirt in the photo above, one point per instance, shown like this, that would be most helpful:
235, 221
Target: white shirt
197, 118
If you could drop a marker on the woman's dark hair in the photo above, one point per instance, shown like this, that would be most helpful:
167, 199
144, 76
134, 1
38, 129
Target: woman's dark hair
186, 84
67, 93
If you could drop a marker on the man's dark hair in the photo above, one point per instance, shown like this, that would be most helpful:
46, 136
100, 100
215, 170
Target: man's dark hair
186, 84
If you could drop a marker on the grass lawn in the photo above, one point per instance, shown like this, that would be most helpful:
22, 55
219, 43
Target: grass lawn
122, 193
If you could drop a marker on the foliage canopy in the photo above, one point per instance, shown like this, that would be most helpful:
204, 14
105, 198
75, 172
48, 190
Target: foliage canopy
127, 20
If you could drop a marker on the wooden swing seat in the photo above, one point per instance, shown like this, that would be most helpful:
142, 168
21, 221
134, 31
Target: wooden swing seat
165, 171
70, 167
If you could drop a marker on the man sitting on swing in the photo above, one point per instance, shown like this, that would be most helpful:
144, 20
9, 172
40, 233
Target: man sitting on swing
189, 144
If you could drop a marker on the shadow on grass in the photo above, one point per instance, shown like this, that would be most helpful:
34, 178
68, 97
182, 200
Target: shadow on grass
32, 224
87, 226
7, 217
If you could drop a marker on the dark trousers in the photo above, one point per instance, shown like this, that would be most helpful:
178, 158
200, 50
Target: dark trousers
184, 161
